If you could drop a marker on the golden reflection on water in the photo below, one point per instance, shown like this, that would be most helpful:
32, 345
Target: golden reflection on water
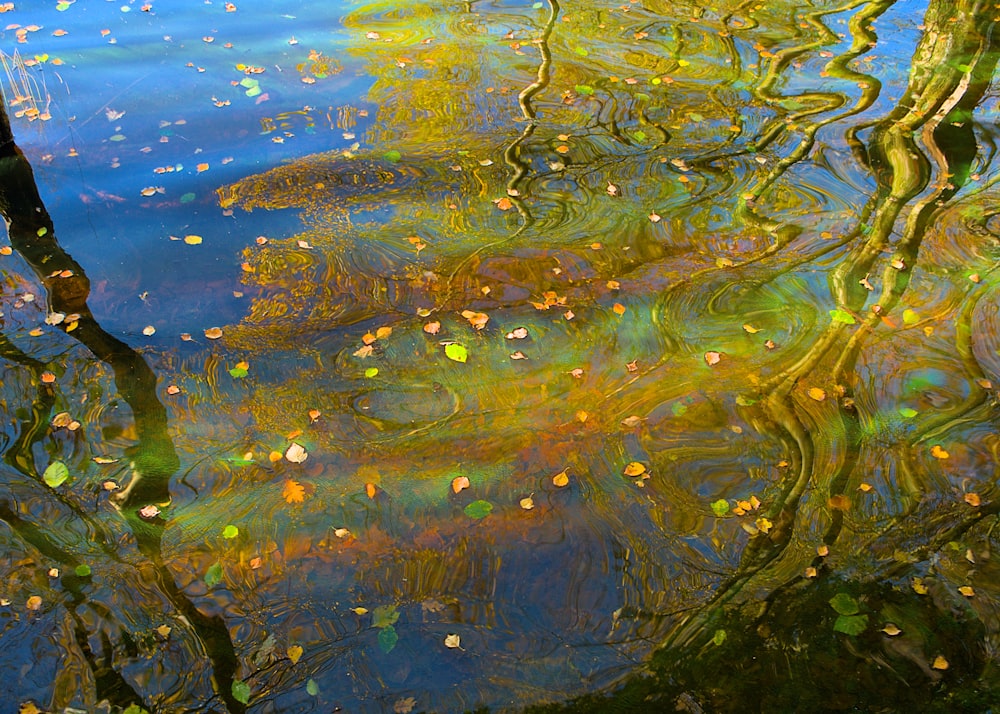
741, 262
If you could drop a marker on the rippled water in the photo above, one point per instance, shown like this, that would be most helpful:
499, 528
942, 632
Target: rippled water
438, 356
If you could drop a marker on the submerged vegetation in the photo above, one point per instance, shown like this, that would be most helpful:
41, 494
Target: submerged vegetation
594, 357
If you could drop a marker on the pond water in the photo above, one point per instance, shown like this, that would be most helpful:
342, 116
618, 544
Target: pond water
437, 356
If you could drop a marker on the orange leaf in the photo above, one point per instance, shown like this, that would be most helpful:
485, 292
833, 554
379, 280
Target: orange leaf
383, 332
202, 167
972, 499
560, 479
459, 483
817, 394
504, 204
635, 469
293, 491
432, 328
314, 414
370, 490
938, 453
618, 308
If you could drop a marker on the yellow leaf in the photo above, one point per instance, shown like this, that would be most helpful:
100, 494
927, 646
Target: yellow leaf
938, 453
560, 479
918, 586
967, 591
635, 469
359, 610
618, 308
33, 603
294, 652
750, 329
940, 663
293, 491
163, 631
527, 503
817, 393
891, 629
370, 490
192, 240
972, 499
383, 332
453, 641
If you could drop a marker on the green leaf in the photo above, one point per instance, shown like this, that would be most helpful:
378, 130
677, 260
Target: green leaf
230, 531
844, 604
584, 89
213, 576
41, 231
56, 474
639, 135
238, 372
581, 51
910, 317
852, 625
134, 709
371, 372
907, 412
387, 639
455, 351
719, 637
720, 507
241, 691
842, 316
312, 688
187, 197
385, 616
392, 155
478, 509
696, 117
82, 571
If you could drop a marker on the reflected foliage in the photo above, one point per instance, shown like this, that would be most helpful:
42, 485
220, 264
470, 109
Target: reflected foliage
724, 283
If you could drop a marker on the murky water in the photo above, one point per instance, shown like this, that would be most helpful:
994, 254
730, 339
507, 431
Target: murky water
428, 356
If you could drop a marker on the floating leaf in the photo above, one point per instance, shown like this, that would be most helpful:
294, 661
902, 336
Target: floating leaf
518, 333
392, 155
296, 453
843, 316
82, 571
618, 309
456, 352
938, 453
241, 691
852, 625
891, 629
56, 474
720, 507
453, 642
371, 372
478, 509
967, 591
432, 328
816, 393
907, 412
635, 469
213, 576
560, 479
387, 639
385, 616
240, 370
459, 483
719, 637
294, 653
940, 663
213, 333
972, 499
844, 604
713, 358
527, 503
193, 240
293, 491
312, 689
230, 532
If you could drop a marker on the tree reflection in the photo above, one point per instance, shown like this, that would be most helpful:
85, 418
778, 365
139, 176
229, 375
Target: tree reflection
153, 461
